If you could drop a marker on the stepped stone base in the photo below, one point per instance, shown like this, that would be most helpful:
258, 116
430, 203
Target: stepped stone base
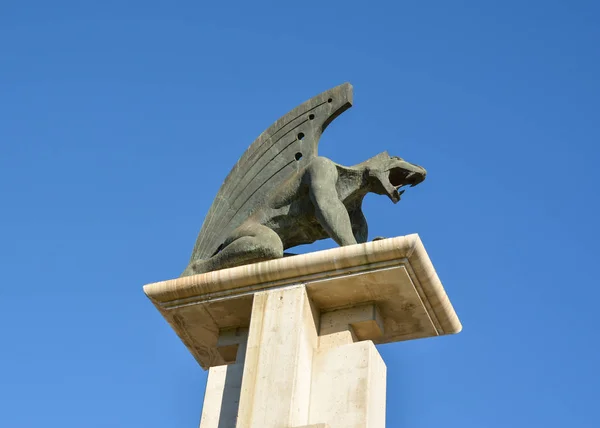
291, 342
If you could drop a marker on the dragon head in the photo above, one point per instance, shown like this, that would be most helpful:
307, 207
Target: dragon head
388, 174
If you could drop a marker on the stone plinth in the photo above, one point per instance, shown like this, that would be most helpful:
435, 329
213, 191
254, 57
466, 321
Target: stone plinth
290, 342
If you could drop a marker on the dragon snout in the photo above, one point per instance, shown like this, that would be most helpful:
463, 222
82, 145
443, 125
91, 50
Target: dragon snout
417, 176
407, 174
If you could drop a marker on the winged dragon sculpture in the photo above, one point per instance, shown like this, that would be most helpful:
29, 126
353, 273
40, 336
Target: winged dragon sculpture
281, 193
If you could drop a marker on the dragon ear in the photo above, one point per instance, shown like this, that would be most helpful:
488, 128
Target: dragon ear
376, 160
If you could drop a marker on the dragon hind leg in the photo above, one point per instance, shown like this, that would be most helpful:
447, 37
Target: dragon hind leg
250, 243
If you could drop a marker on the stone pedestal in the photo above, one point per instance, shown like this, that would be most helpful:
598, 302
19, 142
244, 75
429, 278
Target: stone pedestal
290, 343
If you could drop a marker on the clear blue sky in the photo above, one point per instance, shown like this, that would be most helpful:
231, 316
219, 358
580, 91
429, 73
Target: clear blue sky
119, 121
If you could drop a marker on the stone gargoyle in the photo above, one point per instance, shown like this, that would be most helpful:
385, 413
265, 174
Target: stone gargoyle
281, 193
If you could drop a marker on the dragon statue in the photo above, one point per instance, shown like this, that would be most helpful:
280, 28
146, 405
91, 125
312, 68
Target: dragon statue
281, 193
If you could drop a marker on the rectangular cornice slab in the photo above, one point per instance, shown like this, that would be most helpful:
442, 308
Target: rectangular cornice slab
394, 273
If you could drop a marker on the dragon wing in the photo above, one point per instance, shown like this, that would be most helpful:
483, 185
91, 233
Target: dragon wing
285, 147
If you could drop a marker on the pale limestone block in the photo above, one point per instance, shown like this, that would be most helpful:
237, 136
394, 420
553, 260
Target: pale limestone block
232, 344
396, 274
277, 372
224, 383
222, 396
348, 387
349, 325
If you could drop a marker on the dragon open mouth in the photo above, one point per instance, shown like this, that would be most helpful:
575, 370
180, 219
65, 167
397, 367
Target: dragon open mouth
400, 177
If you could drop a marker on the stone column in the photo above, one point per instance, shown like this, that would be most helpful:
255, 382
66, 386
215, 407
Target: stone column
224, 383
290, 343
276, 385
349, 376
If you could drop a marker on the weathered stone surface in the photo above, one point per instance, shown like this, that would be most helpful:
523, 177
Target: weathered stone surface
281, 194
291, 342
348, 387
396, 275
283, 336
291, 378
349, 325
